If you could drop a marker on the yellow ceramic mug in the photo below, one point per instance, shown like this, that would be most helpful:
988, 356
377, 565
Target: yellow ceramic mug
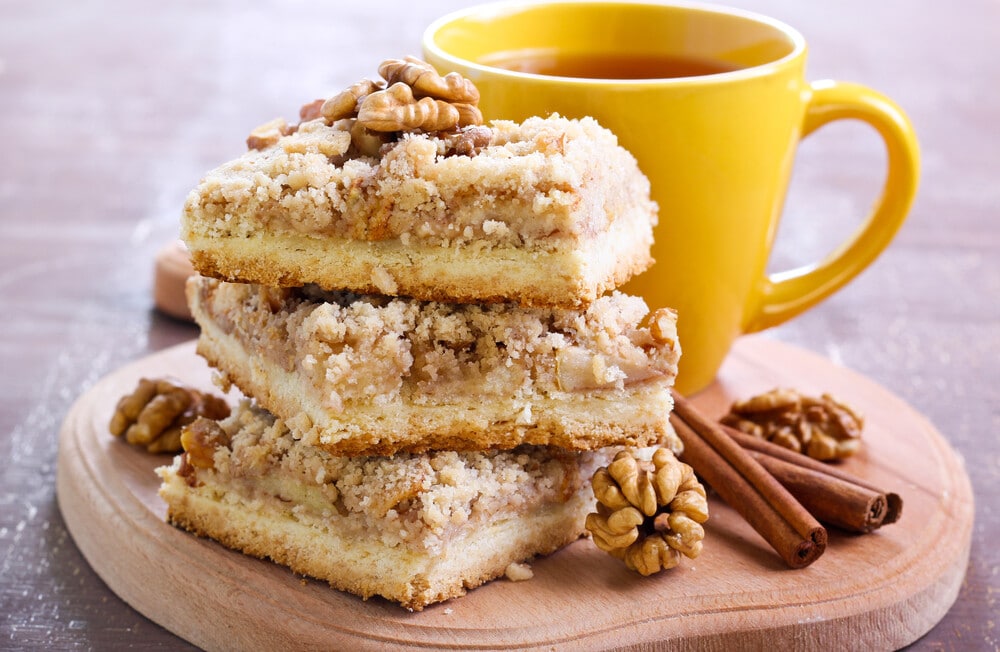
717, 147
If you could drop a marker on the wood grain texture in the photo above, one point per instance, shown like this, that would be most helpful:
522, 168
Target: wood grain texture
881, 590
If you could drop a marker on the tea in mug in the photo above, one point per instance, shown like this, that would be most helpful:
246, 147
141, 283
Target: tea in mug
617, 65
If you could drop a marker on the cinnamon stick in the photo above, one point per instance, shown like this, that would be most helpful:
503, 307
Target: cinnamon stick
832, 495
831, 500
748, 487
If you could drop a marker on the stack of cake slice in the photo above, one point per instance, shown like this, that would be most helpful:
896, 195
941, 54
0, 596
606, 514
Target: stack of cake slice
434, 362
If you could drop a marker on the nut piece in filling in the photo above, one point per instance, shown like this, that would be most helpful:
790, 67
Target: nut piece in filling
374, 374
412, 528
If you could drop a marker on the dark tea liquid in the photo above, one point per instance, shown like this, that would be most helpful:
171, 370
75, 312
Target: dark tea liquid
608, 66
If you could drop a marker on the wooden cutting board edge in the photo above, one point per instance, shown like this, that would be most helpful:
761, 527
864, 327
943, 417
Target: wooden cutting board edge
101, 513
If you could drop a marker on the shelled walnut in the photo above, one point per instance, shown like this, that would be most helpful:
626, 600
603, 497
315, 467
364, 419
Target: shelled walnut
413, 96
345, 103
398, 109
153, 415
426, 82
466, 142
268, 133
200, 438
822, 428
648, 513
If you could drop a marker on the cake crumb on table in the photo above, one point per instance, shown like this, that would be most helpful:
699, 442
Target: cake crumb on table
518, 572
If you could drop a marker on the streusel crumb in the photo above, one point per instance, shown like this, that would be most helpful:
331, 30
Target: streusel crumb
525, 176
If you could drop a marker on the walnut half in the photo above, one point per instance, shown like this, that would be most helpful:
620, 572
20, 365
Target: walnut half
413, 96
426, 82
648, 514
200, 439
397, 109
822, 428
153, 415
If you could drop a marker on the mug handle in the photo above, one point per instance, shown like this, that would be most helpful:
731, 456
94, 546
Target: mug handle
786, 294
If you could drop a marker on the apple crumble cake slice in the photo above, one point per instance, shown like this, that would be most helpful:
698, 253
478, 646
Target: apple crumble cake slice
548, 212
412, 528
365, 374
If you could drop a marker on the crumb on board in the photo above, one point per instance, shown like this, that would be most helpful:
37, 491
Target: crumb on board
518, 572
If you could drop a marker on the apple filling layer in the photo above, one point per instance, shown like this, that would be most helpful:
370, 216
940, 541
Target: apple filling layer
363, 374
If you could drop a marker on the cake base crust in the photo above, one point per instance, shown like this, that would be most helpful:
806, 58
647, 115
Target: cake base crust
365, 568
568, 277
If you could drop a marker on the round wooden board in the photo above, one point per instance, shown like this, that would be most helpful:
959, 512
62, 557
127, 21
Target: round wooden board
881, 590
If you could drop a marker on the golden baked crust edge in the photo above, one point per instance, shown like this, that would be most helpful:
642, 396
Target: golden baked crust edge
570, 277
403, 576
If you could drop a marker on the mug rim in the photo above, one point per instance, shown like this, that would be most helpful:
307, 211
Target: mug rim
795, 37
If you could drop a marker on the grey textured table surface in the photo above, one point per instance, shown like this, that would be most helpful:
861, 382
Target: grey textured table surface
111, 111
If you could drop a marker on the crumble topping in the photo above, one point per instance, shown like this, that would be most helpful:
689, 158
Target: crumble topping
506, 184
